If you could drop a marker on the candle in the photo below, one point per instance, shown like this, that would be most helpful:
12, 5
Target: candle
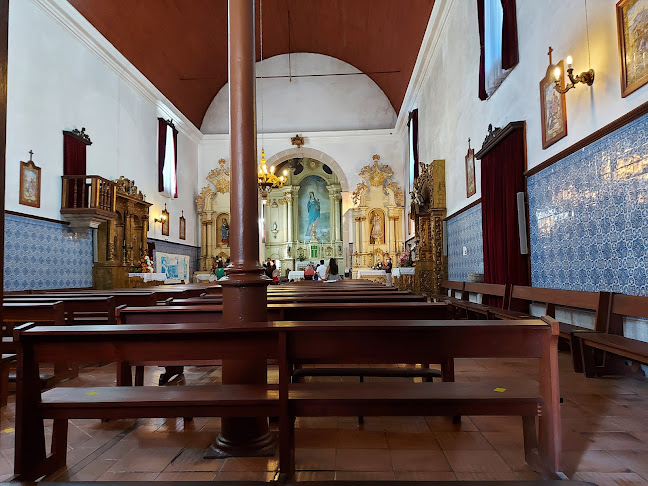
557, 73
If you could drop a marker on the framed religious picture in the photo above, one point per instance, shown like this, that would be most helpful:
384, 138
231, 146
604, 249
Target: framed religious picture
632, 23
165, 222
470, 172
30, 184
553, 110
183, 227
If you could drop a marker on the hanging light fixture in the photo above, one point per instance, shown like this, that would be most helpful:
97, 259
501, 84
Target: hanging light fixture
267, 179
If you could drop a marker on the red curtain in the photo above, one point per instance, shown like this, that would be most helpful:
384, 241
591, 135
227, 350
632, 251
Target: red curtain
175, 160
509, 35
503, 177
482, 62
162, 129
74, 163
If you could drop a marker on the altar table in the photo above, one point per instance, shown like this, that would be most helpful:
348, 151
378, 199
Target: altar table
403, 278
379, 276
295, 275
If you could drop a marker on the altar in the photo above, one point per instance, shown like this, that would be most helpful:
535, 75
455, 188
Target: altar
136, 279
205, 277
403, 278
379, 276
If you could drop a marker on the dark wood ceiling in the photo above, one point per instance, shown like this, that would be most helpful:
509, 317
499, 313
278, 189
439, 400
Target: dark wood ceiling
181, 45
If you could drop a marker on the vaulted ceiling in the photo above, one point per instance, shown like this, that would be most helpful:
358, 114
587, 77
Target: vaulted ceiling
181, 45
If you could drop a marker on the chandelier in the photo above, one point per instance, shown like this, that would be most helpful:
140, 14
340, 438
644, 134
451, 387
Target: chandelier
267, 178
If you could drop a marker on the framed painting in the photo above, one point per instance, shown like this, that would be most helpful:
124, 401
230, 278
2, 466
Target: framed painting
553, 109
30, 184
471, 188
183, 227
632, 24
165, 222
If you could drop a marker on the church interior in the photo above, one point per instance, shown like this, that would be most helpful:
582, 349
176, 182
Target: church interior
466, 179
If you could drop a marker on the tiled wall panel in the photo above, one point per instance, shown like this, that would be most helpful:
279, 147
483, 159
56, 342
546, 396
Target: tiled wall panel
45, 255
465, 230
174, 248
589, 216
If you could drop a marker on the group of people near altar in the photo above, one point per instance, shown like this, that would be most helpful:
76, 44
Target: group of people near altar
322, 271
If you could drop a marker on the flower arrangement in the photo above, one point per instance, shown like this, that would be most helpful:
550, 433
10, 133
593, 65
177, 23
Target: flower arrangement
146, 266
405, 259
378, 266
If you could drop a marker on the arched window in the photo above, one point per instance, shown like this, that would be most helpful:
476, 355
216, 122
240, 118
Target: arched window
167, 158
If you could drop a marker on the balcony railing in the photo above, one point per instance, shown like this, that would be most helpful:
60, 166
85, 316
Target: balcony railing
87, 201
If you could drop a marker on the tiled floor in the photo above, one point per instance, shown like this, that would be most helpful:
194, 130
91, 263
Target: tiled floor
604, 421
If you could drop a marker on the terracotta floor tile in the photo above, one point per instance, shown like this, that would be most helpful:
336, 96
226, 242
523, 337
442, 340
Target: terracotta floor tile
487, 476
412, 441
316, 438
591, 461
364, 476
444, 424
419, 460
637, 461
611, 479
504, 440
361, 439
192, 460
255, 464
128, 476
514, 458
527, 475
476, 461
93, 471
498, 424
314, 475
146, 460
186, 476
616, 441
363, 460
462, 440
246, 476
395, 424
315, 459
425, 476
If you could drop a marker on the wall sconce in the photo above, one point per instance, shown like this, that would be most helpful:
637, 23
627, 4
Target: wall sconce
164, 217
584, 77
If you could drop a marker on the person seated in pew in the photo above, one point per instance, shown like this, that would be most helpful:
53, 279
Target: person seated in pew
309, 271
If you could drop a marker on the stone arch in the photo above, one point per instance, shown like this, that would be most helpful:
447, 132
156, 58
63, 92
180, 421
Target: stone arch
301, 152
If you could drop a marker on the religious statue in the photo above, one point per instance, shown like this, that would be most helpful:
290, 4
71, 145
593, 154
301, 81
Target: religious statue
376, 229
225, 232
313, 207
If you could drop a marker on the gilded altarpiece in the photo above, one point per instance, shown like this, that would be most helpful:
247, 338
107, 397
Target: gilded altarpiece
378, 214
429, 210
213, 207
121, 242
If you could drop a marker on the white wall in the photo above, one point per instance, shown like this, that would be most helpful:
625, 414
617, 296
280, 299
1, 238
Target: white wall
322, 103
58, 82
445, 91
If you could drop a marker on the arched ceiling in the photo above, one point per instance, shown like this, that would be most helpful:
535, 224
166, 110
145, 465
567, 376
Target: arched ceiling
181, 45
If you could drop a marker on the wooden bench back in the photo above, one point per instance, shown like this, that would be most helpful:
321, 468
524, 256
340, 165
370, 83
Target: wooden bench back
453, 286
595, 301
487, 289
625, 306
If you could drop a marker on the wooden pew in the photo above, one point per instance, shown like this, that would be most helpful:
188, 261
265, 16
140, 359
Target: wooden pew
110, 343
432, 341
599, 302
308, 299
449, 289
613, 342
78, 309
481, 310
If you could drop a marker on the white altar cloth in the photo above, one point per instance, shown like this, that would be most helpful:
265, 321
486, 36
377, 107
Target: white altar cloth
397, 272
295, 275
150, 277
371, 273
206, 277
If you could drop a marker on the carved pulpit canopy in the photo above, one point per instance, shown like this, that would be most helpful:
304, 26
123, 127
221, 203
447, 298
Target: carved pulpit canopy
378, 176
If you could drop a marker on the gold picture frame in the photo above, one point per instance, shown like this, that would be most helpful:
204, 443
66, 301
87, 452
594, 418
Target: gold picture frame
182, 227
471, 185
553, 108
632, 26
165, 222
30, 184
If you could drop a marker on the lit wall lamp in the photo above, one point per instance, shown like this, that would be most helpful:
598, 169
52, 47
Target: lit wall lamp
586, 77
164, 217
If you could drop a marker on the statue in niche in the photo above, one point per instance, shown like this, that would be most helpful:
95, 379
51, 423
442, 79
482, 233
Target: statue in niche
313, 213
377, 234
224, 232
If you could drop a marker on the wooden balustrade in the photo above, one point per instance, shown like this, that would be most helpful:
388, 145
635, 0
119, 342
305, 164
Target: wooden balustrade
88, 192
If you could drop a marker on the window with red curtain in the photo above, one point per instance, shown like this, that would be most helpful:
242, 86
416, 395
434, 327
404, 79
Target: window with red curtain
498, 43
502, 169
412, 126
167, 158
75, 143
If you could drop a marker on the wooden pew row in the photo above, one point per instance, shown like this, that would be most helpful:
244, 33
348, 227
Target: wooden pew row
308, 299
290, 343
614, 345
77, 309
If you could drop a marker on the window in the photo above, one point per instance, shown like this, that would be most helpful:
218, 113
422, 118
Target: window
413, 146
167, 158
498, 38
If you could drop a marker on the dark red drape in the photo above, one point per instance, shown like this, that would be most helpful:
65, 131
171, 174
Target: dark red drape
509, 35
482, 61
74, 155
415, 142
502, 177
162, 129
175, 161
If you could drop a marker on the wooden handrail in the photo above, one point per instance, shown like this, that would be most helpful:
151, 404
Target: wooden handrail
88, 192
